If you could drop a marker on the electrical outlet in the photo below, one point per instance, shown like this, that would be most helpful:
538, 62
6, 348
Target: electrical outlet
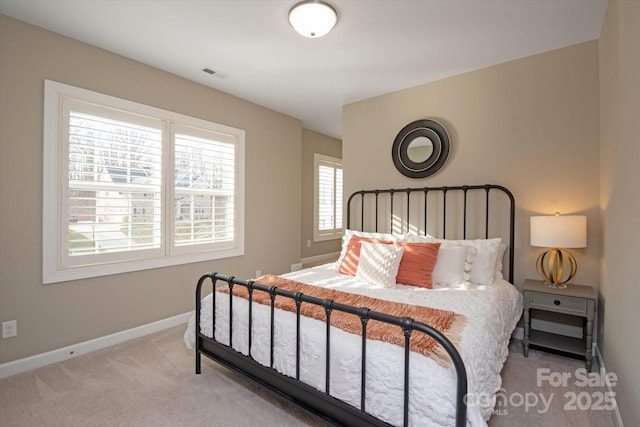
9, 328
258, 273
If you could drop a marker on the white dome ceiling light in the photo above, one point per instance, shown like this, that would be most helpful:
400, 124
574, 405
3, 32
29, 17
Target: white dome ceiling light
313, 18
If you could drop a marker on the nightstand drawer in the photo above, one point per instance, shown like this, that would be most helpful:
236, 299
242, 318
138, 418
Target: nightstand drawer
560, 303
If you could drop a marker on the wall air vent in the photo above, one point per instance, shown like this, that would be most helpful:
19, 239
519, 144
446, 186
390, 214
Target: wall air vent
215, 72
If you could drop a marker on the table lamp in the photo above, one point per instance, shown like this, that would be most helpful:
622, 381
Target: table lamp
558, 232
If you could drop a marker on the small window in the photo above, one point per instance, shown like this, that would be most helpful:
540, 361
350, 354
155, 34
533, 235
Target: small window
130, 187
328, 198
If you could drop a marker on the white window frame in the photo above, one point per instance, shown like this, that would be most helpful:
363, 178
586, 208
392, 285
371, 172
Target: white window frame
335, 233
55, 181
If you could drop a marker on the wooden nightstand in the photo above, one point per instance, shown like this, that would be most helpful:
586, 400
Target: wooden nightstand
559, 319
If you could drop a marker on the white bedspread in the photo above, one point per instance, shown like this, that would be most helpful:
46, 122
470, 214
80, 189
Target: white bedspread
492, 313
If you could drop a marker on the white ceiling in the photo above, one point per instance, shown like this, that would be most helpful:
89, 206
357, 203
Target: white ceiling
377, 47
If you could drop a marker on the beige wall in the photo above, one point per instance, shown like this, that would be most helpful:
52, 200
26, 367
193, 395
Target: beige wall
313, 142
530, 125
56, 315
620, 201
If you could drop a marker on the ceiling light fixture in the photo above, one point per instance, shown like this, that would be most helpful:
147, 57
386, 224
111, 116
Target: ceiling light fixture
313, 18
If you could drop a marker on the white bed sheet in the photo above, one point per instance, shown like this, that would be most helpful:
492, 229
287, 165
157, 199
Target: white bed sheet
491, 311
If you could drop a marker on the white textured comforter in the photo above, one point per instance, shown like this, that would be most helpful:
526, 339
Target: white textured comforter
492, 313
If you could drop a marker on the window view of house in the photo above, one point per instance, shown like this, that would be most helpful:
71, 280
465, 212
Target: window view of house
131, 187
114, 201
204, 184
115, 187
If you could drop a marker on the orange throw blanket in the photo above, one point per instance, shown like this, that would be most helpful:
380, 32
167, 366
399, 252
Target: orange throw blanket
447, 322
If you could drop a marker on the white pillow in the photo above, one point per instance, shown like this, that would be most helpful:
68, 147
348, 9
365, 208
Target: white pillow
379, 264
453, 265
483, 270
501, 250
380, 236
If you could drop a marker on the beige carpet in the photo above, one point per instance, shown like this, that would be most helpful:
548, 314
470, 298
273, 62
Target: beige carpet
150, 382
520, 377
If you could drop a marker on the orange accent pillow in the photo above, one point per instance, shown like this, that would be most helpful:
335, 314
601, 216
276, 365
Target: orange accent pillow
416, 266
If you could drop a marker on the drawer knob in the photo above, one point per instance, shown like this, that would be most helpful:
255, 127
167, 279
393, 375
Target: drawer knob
556, 302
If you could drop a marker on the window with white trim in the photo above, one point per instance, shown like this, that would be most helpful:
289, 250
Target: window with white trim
129, 187
327, 206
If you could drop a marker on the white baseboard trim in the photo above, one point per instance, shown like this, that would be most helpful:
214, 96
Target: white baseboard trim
598, 355
319, 258
64, 353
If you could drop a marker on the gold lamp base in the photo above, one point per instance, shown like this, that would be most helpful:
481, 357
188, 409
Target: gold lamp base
550, 266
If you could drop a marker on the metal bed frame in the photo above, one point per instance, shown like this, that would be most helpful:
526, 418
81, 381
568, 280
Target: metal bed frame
322, 403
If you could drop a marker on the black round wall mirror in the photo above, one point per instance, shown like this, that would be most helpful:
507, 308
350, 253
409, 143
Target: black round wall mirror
420, 149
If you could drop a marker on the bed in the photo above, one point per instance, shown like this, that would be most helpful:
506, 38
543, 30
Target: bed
368, 359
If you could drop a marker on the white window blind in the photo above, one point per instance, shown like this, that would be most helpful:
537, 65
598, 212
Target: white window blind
328, 198
114, 184
204, 190
130, 187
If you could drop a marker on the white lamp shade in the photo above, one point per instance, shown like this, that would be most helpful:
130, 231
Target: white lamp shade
313, 18
559, 231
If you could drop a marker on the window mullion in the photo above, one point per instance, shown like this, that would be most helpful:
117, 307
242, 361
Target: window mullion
169, 149
335, 200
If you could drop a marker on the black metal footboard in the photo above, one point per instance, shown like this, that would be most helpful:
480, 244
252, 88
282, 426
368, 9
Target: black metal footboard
319, 402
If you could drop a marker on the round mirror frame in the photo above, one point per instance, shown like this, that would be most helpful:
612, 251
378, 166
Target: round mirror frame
421, 128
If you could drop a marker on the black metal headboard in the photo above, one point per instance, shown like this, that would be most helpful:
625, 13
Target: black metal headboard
456, 212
